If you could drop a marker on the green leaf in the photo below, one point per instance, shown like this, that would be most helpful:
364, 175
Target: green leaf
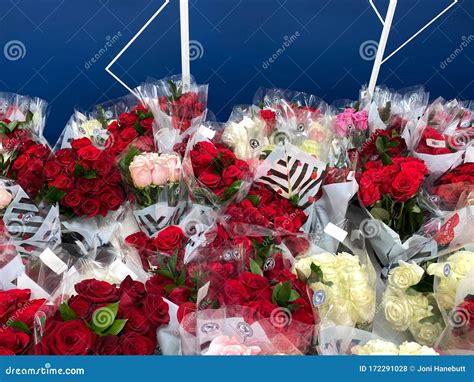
125, 162
425, 285
316, 273
143, 115
218, 165
233, 188
380, 213
67, 314
255, 268
380, 144
293, 306
175, 91
116, 328
284, 292
301, 276
255, 199
54, 195
294, 200
429, 320
82, 172
182, 277
294, 295
386, 160
165, 273
138, 128
21, 326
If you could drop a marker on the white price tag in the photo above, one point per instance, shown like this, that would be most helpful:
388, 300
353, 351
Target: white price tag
334, 231
436, 144
53, 262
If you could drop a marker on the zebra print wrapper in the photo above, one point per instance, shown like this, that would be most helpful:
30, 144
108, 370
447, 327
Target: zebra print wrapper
29, 228
175, 120
293, 174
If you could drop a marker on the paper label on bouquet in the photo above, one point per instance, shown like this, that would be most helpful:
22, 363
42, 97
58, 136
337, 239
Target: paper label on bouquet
206, 132
435, 143
121, 271
154, 218
334, 231
52, 261
351, 176
469, 156
202, 293
292, 173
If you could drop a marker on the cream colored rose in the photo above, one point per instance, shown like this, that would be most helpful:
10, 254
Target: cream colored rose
413, 348
398, 311
405, 275
375, 347
5, 198
426, 333
90, 127
246, 137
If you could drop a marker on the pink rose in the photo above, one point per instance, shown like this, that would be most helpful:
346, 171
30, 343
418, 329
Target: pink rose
343, 122
173, 163
360, 120
160, 171
225, 345
5, 198
140, 171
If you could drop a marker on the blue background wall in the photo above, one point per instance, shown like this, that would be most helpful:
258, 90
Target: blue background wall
59, 37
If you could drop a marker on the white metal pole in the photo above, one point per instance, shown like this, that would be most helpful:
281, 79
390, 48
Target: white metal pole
184, 24
381, 48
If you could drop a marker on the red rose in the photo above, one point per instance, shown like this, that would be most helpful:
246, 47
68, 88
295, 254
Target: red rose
253, 282
263, 309
20, 162
78, 144
69, 338
127, 119
136, 321
62, 183
186, 316
65, 156
179, 295
107, 345
88, 185
40, 151
110, 200
234, 293
97, 291
369, 192
80, 306
180, 123
138, 240
231, 174
156, 283
14, 341
131, 292
51, 170
156, 310
146, 123
103, 165
26, 313
129, 134
72, 199
210, 179
405, 185
90, 207
135, 344
169, 239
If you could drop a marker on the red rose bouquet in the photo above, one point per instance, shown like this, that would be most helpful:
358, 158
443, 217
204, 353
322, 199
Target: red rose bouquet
213, 174
105, 319
84, 180
390, 192
17, 312
112, 126
454, 188
178, 108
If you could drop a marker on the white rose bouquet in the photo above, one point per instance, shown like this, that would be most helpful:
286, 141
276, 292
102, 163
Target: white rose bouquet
342, 285
408, 303
380, 347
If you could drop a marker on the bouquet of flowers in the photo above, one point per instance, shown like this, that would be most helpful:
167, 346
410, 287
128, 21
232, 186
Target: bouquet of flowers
154, 183
178, 108
17, 312
213, 174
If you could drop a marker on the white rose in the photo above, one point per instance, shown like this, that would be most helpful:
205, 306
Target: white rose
5, 198
398, 311
426, 333
363, 304
413, 348
405, 275
375, 347
242, 137
91, 127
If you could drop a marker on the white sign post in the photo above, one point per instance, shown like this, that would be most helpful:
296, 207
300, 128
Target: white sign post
184, 26
387, 24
